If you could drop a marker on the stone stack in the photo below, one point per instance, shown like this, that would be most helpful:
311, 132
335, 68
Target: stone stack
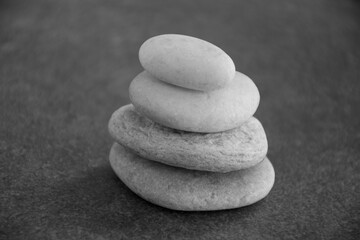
189, 140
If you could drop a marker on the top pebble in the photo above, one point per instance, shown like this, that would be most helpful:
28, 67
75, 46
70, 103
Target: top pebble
187, 62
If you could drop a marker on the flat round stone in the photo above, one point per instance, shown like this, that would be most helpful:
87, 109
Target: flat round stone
191, 190
235, 149
192, 110
187, 62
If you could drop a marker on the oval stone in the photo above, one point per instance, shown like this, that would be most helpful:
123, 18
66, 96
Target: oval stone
231, 150
187, 62
191, 190
192, 110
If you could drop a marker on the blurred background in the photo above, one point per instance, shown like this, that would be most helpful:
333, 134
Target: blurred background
65, 66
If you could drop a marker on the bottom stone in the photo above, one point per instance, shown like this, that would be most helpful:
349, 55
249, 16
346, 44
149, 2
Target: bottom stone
191, 190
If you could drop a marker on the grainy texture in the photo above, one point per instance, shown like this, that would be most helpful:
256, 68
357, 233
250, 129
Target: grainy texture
191, 190
65, 67
192, 110
187, 62
218, 152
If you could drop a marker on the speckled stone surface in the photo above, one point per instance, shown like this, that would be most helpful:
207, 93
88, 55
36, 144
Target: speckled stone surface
65, 67
191, 190
227, 151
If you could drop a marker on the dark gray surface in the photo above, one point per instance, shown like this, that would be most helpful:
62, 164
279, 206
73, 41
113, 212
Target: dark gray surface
65, 66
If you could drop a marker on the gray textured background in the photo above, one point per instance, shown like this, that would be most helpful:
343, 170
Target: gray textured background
65, 66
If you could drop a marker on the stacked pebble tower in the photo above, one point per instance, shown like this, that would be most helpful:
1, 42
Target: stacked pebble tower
189, 140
